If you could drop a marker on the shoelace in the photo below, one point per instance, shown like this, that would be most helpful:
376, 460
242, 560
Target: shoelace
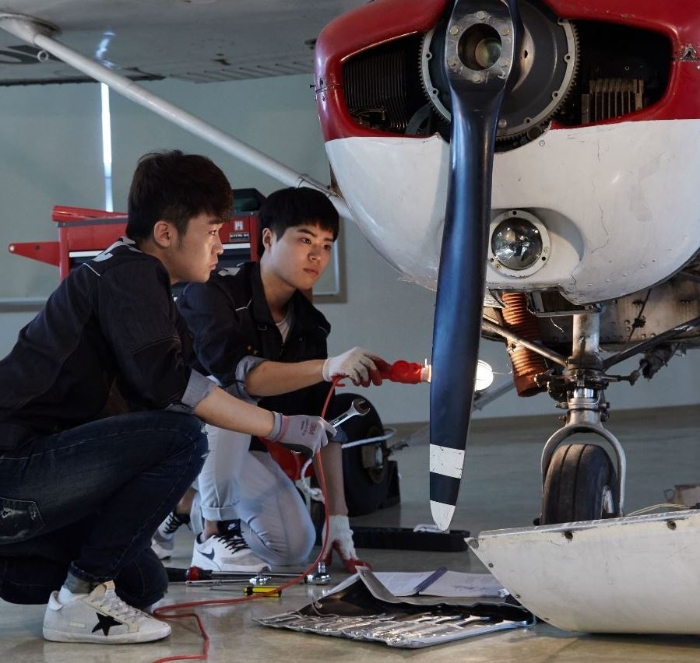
233, 542
113, 606
172, 523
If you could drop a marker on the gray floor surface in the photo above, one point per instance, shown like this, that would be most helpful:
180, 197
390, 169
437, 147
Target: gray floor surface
501, 489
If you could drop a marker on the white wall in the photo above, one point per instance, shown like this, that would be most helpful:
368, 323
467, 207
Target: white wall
50, 146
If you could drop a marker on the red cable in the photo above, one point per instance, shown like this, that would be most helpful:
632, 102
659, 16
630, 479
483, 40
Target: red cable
171, 611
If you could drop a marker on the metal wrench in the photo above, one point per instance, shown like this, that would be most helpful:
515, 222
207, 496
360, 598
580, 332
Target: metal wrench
358, 407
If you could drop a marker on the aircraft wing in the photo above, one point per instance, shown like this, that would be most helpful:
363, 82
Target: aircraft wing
196, 40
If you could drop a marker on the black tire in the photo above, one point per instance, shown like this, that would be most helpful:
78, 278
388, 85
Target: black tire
366, 489
581, 484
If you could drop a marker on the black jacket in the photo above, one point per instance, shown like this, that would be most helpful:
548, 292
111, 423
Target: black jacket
109, 340
230, 320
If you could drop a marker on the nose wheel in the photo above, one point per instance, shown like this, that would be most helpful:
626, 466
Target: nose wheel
583, 481
581, 484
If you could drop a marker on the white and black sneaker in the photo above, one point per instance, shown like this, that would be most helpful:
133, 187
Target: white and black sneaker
227, 551
163, 541
99, 617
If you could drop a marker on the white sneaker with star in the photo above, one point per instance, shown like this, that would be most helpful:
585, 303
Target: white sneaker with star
99, 617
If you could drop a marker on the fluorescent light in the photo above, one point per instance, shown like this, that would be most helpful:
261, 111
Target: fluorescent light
107, 146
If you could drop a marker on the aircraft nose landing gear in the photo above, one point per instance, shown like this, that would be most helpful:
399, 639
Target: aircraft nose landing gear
580, 481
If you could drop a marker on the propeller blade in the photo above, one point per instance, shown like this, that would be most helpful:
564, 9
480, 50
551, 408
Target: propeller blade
480, 51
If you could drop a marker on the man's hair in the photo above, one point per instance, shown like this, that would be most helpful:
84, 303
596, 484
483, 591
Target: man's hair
287, 208
173, 186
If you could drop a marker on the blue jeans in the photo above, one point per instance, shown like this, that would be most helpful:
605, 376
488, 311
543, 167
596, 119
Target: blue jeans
89, 499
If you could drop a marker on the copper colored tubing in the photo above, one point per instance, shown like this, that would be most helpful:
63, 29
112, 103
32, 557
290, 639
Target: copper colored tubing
527, 364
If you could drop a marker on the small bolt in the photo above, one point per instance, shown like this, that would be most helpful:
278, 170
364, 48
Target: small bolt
320, 577
454, 30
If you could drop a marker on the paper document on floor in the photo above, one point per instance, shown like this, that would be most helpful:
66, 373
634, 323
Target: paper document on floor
450, 584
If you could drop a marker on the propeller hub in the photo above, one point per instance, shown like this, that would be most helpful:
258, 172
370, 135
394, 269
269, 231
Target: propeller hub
479, 47
546, 58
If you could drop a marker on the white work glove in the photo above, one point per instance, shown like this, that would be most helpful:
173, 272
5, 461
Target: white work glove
301, 433
339, 538
356, 364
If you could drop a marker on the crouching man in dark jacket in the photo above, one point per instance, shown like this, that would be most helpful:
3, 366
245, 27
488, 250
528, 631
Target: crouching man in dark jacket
101, 415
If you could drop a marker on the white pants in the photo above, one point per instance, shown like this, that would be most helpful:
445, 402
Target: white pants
251, 486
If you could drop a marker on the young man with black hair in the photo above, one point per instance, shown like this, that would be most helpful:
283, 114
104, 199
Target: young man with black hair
258, 334
101, 415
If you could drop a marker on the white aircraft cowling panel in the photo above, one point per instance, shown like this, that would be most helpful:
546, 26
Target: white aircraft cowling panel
617, 201
395, 189
636, 574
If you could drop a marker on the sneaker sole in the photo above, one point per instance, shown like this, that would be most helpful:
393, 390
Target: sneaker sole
160, 551
202, 562
123, 639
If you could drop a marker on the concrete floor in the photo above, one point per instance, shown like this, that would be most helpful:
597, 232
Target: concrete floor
501, 489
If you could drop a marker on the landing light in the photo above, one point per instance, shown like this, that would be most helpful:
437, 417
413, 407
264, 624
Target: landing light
484, 375
519, 243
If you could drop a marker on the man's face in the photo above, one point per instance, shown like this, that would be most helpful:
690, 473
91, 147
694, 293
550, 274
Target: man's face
300, 256
194, 254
